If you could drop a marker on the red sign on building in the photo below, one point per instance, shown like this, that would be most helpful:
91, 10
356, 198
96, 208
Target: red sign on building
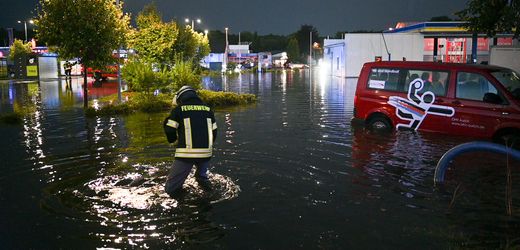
483, 44
505, 41
428, 44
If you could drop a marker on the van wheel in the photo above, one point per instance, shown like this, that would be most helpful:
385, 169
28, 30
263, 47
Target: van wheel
379, 123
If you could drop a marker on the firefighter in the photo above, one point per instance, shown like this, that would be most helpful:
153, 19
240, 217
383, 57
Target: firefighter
191, 126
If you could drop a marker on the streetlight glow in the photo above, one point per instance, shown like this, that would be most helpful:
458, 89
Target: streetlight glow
25, 26
187, 20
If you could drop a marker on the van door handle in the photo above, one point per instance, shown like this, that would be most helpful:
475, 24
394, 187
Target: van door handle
505, 113
456, 102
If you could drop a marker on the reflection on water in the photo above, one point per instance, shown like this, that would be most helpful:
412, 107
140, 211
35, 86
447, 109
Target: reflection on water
288, 172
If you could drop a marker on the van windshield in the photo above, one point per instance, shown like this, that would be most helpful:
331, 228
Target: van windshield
510, 80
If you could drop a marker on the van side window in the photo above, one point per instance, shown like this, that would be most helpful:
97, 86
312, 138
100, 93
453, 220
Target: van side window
386, 79
473, 86
434, 81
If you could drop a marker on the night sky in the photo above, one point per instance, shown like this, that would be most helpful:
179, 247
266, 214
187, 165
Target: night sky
277, 17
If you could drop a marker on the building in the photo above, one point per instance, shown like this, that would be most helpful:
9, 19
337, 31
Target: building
424, 41
345, 57
451, 42
239, 54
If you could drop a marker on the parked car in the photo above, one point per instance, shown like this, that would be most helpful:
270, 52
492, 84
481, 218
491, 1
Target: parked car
458, 99
298, 66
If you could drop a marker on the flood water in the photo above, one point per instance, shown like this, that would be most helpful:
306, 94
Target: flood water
288, 172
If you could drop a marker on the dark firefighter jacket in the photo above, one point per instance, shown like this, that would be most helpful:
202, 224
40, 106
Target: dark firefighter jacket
192, 126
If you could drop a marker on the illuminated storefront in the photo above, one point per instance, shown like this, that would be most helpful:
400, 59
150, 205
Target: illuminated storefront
450, 42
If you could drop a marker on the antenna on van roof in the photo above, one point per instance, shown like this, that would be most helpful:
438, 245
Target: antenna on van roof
386, 47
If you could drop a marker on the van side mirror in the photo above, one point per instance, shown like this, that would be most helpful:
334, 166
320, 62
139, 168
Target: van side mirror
492, 98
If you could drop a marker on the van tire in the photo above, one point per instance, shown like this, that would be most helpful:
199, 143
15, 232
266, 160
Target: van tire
379, 123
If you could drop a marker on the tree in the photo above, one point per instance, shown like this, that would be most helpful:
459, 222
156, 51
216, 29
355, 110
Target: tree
202, 47
86, 29
303, 36
187, 44
19, 48
492, 16
293, 51
158, 42
153, 40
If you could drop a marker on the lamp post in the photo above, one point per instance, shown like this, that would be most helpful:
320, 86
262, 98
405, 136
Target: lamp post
25, 26
187, 20
226, 51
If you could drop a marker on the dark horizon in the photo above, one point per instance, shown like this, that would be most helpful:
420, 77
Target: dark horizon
273, 17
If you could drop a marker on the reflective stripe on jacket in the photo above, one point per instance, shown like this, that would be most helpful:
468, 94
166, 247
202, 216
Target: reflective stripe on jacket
193, 128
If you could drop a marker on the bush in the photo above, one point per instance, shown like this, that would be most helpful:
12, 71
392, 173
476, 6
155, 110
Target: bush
223, 99
150, 104
184, 73
109, 109
140, 76
135, 102
19, 48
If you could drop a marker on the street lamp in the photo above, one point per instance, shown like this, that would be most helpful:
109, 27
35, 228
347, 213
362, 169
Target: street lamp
187, 20
25, 26
226, 52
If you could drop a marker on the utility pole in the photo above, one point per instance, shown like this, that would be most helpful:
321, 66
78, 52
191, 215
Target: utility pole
226, 51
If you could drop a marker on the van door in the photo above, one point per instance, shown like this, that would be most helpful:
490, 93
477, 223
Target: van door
473, 116
430, 99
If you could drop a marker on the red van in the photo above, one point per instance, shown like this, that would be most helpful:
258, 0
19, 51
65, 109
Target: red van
458, 99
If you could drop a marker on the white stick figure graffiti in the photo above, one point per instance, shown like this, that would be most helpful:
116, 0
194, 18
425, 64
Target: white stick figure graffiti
416, 107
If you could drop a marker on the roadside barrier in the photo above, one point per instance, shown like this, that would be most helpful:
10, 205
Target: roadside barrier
445, 160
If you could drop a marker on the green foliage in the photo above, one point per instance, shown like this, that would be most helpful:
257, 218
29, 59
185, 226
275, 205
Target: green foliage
19, 48
492, 17
148, 16
186, 44
136, 102
223, 99
184, 73
293, 51
154, 40
159, 42
202, 47
109, 110
303, 36
231, 66
86, 29
149, 105
162, 102
141, 77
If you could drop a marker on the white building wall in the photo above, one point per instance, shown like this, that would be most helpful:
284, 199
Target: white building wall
362, 48
506, 56
334, 56
239, 49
